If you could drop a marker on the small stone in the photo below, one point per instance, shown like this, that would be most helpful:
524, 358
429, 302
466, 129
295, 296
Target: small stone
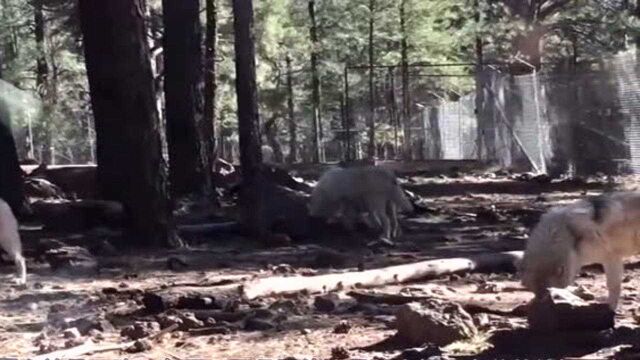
166, 321
189, 322
339, 353
342, 328
326, 303
434, 321
71, 333
139, 330
73, 343
286, 306
254, 324
547, 314
140, 346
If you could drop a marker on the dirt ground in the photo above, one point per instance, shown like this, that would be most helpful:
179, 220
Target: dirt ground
108, 297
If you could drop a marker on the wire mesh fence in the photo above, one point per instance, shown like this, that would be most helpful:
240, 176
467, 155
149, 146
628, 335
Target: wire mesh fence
566, 118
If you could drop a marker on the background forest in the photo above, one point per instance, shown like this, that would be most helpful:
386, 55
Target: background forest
41, 52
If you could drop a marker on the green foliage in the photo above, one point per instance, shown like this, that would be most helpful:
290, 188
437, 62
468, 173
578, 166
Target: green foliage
437, 32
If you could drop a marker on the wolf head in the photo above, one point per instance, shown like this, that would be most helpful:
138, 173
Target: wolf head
551, 258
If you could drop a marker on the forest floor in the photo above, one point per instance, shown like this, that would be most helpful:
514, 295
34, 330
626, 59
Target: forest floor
111, 300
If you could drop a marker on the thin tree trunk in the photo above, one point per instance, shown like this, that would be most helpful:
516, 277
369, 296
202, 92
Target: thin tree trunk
293, 128
42, 71
315, 84
210, 84
636, 12
479, 100
130, 165
251, 195
371, 150
189, 135
406, 104
42, 78
393, 111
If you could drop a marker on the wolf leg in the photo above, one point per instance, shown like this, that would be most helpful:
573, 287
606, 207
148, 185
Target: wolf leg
614, 270
21, 268
386, 224
392, 213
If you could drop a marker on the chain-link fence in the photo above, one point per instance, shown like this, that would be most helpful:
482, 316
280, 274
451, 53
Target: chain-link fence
582, 118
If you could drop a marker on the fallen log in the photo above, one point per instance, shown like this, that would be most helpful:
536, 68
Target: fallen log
506, 261
210, 228
399, 299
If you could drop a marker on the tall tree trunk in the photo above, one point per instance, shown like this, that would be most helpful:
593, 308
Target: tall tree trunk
406, 104
371, 150
636, 12
130, 165
42, 70
315, 83
479, 84
251, 195
42, 80
210, 84
189, 134
393, 110
10, 173
293, 128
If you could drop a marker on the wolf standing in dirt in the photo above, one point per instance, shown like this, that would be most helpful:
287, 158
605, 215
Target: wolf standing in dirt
369, 189
10, 240
603, 229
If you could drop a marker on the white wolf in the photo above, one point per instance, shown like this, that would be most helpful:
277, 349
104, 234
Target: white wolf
603, 229
10, 240
370, 189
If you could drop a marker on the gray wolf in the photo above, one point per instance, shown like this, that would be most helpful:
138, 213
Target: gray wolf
347, 192
10, 240
603, 229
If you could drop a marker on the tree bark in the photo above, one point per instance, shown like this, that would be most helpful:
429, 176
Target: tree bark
315, 84
42, 80
293, 128
130, 165
210, 84
42, 70
251, 194
189, 134
479, 84
636, 12
371, 150
406, 104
